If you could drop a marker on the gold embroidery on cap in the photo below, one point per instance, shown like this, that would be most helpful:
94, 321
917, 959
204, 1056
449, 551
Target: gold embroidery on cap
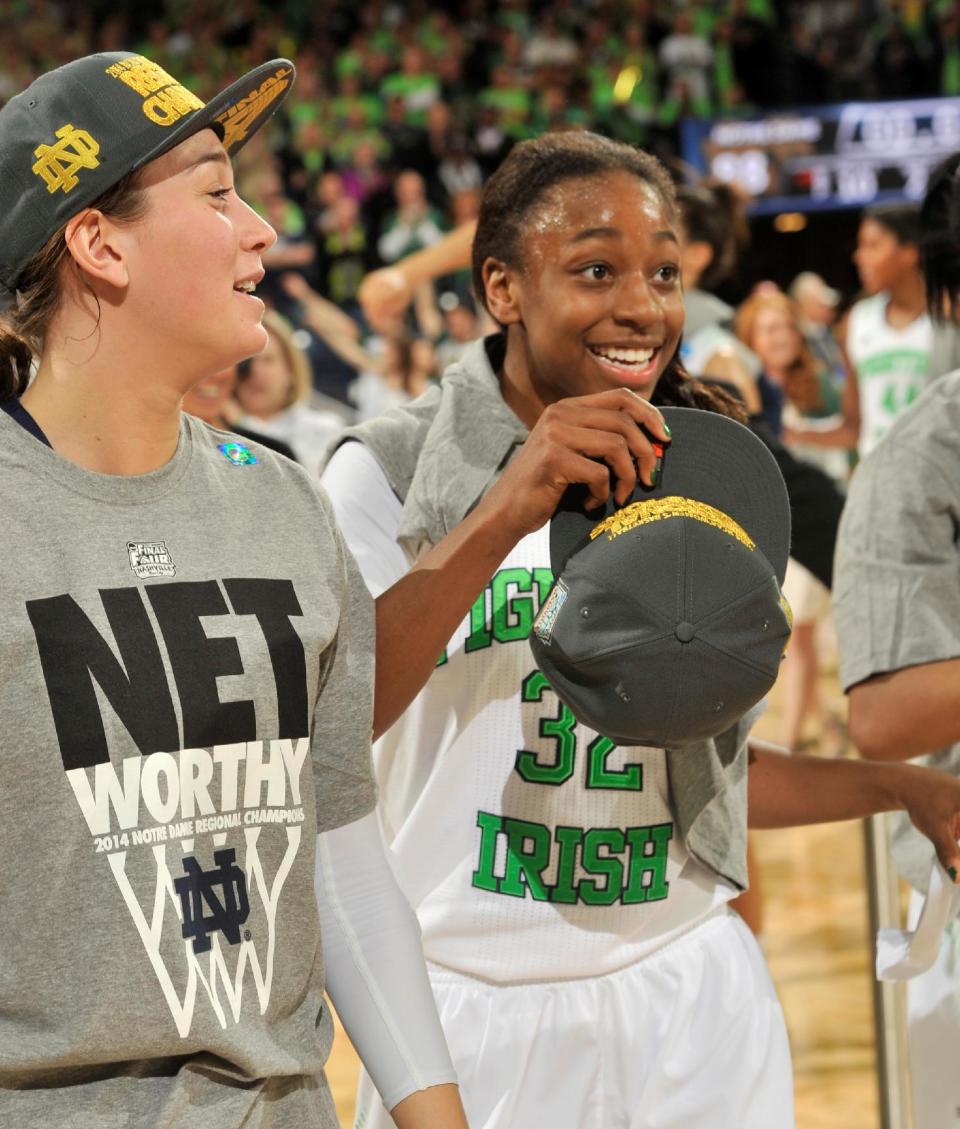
165, 101
242, 115
657, 509
59, 164
787, 610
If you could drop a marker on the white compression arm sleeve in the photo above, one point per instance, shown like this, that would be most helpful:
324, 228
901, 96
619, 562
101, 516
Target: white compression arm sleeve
376, 975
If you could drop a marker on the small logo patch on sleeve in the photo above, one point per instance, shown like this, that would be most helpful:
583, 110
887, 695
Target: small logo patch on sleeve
237, 453
547, 616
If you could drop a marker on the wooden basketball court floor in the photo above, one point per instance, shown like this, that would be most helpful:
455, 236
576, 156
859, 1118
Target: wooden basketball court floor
820, 954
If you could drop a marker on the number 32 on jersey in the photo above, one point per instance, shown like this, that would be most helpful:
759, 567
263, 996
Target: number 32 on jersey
592, 866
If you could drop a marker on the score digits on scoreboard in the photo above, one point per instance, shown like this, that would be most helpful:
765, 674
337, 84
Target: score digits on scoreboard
829, 156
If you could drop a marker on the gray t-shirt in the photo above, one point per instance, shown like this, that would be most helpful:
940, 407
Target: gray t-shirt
186, 680
896, 587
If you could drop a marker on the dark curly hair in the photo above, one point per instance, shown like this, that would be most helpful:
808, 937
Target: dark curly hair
715, 213
940, 239
522, 182
901, 220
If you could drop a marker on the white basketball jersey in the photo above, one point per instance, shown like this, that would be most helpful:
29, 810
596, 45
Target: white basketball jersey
531, 847
891, 365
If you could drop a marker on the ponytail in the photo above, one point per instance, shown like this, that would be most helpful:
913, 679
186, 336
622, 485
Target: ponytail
16, 357
25, 324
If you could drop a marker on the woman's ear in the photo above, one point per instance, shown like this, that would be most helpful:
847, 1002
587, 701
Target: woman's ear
93, 241
501, 290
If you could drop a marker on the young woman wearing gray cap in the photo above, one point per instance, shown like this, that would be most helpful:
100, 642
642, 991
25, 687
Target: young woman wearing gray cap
186, 650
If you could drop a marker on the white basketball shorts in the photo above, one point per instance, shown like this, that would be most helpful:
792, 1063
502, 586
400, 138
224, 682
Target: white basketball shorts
690, 1037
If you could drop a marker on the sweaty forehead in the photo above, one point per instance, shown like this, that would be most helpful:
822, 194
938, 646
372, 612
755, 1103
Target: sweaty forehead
608, 200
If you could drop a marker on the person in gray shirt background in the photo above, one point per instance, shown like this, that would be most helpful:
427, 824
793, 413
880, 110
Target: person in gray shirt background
897, 605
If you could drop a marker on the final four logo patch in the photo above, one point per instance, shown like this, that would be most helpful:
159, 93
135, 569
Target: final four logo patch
149, 559
547, 616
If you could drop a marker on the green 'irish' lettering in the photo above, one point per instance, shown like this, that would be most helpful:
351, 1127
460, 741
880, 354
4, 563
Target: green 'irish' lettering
484, 877
526, 862
565, 887
605, 865
647, 870
515, 595
512, 616
595, 867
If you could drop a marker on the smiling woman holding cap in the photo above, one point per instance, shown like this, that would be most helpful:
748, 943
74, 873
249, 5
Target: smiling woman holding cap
571, 855
186, 651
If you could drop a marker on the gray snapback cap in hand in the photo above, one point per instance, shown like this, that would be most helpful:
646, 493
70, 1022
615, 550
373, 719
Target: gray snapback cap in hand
666, 622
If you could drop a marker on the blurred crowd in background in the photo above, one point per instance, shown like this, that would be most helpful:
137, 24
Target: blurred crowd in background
402, 110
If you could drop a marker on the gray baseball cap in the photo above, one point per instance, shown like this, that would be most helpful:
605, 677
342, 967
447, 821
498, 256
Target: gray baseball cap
77, 130
666, 622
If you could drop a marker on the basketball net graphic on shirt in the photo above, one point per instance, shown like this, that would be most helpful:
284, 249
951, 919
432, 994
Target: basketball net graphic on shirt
209, 971
200, 841
205, 908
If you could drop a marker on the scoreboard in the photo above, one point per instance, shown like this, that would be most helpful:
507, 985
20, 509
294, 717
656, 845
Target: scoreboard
844, 156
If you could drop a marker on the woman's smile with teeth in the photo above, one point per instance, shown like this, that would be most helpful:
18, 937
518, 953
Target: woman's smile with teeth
623, 356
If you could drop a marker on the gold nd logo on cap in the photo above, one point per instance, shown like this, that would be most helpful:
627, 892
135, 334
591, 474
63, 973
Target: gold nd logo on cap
165, 101
59, 164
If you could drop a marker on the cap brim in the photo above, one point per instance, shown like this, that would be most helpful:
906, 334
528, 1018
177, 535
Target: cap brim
236, 113
711, 459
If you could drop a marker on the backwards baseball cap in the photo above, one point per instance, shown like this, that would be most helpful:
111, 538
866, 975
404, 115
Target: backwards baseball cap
666, 622
77, 130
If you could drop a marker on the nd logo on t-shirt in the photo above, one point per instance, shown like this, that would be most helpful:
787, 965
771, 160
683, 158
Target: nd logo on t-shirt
199, 821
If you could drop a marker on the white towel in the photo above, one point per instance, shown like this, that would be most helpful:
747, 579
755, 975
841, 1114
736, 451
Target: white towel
902, 955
